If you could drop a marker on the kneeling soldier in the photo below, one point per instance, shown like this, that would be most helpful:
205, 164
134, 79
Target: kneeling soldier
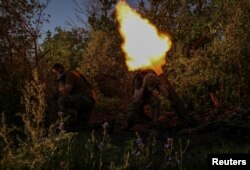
77, 98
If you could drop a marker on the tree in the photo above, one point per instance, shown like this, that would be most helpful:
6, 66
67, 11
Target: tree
64, 47
102, 59
209, 59
212, 62
20, 29
99, 14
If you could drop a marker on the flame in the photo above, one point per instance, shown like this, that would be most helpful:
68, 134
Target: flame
144, 46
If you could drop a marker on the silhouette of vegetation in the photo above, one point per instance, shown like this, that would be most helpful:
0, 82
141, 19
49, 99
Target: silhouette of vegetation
208, 65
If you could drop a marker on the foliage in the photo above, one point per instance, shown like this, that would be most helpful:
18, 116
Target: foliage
208, 66
210, 50
42, 149
34, 149
139, 154
20, 25
64, 47
99, 14
208, 62
39, 149
98, 49
21, 22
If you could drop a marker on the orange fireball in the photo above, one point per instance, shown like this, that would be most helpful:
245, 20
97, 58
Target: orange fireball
144, 46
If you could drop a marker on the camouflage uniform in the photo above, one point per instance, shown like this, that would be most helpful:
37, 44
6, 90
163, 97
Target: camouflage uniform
135, 109
160, 84
77, 106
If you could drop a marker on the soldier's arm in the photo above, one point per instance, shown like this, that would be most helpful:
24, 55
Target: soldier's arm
61, 88
138, 93
160, 87
69, 82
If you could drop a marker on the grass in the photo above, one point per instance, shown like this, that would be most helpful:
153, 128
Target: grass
121, 150
40, 148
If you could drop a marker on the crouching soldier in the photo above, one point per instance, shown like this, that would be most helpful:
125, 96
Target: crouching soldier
77, 98
147, 88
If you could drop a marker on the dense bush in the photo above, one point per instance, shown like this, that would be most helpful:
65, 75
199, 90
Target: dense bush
208, 66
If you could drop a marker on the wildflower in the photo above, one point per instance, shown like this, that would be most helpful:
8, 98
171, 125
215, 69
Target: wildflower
138, 153
138, 141
177, 160
170, 140
105, 125
60, 127
140, 145
169, 143
100, 146
60, 114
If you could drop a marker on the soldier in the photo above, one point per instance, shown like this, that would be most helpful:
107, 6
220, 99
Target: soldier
77, 98
147, 88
